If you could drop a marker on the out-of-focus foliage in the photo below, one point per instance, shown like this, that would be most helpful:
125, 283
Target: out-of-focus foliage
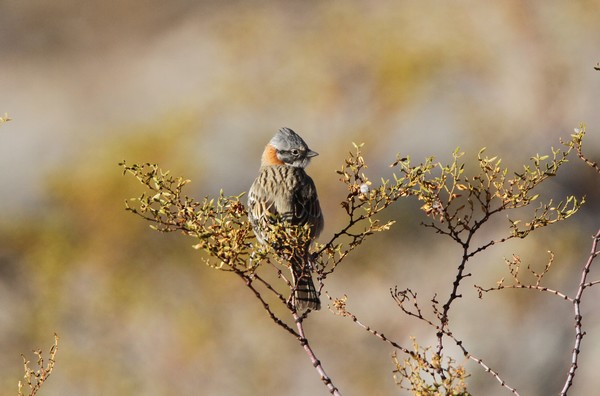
200, 87
4, 118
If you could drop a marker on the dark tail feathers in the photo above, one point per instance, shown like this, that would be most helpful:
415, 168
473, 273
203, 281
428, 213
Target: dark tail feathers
305, 294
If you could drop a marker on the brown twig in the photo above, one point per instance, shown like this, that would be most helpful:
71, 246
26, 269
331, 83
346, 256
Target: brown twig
265, 304
579, 333
313, 358
487, 369
592, 164
36, 378
401, 296
576, 301
557, 293
339, 308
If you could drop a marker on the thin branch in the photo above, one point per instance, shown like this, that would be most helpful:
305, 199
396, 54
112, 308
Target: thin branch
248, 281
401, 296
340, 310
579, 333
313, 358
337, 235
576, 142
592, 164
460, 275
593, 282
487, 369
531, 287
480, 362
35, 378
379, 335
270, 287
487, 245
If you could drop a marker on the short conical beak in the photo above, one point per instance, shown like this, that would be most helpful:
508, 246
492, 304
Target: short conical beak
311, 154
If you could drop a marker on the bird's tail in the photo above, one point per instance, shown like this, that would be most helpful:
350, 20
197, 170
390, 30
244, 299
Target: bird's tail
305, 294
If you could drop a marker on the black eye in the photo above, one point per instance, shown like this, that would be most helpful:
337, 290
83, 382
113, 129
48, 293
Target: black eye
295, 152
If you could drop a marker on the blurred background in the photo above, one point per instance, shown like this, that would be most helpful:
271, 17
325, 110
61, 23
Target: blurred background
199, 87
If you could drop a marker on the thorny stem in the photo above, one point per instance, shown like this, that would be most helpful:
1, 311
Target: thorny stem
579, 333
313, 358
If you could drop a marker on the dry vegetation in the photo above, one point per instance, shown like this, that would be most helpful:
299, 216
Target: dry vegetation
457, 206
470, 300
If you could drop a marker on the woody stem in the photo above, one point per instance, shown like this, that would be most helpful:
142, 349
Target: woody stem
313, 358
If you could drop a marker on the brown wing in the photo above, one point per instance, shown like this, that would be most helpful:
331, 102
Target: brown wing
286, 194
261, 209
307, 209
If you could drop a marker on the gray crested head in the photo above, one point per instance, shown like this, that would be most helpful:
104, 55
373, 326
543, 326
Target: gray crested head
292, 150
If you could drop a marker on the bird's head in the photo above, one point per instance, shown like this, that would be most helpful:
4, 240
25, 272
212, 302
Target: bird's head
287, 148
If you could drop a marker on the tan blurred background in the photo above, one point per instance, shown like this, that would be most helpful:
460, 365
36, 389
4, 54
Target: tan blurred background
200, 87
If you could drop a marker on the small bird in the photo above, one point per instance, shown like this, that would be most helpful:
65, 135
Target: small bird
284, 193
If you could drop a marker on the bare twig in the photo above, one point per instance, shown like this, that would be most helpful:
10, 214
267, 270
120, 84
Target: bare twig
36, 378
487, 369
460, 275
265, 304
313, 358
591, 163
557, 293
579, 333
591, 283
339, 308
270, 287
402, 296
514, 267
576, 301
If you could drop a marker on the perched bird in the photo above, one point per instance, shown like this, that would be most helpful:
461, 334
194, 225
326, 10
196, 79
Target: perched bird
284, 193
